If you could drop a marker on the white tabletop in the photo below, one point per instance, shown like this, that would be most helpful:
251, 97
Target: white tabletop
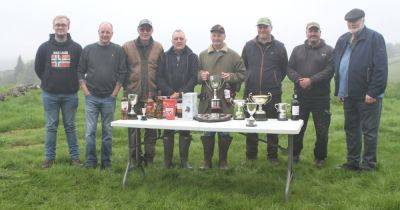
272, 126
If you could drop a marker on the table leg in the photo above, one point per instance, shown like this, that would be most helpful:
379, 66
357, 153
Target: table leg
133, 160
289, 175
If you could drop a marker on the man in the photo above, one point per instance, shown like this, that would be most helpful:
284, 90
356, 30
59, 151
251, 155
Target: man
143, 56
361, 69
56, 65
102, 69
220, 60
310, 69
177, 74
265, 59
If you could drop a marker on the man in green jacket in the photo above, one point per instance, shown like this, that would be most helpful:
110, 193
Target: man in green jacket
218, 59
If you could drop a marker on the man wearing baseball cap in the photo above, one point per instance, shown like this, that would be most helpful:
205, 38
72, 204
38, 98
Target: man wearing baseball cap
143, 56
311, 75
220, 60
266, 61
361, 71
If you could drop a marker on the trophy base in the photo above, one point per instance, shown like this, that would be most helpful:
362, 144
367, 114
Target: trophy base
238, 118
251, 123
282, 119
260, 117
132, 117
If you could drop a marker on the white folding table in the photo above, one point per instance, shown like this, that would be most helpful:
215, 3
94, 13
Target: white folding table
271, 126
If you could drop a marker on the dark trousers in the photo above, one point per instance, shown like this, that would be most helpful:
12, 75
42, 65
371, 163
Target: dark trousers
361, 119
320, 110
272, 139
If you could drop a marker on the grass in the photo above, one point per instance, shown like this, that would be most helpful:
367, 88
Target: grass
258, 185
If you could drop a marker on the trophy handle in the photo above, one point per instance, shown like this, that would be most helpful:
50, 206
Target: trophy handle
269, 97
250, 98
276, 107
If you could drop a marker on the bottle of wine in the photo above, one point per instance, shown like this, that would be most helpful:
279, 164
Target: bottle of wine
295, 107
124, 108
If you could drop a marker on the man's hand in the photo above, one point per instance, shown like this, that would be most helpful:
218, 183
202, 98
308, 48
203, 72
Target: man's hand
225, 75
149, 100
174, 95
84, 88
305, 83
204, 75
369, 99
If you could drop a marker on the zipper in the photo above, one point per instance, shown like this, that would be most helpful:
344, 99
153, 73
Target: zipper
261, 67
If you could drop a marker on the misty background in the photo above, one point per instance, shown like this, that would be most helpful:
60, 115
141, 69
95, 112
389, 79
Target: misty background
27, 24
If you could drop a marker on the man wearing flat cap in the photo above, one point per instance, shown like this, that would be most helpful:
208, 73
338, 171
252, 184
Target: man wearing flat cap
361, 70
310, 69
266, 61
143, 56
219, 60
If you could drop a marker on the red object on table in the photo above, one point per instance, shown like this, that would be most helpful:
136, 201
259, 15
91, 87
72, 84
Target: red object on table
169, 108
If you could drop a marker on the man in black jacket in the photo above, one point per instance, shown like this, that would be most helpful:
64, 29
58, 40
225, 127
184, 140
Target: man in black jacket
56, 65
266, 61
361, 71
177, 74
310, 68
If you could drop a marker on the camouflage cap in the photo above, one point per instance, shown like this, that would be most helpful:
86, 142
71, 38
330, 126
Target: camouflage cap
145, 22
264, 21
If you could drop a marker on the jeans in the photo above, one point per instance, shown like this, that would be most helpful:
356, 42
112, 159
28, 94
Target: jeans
361, 119
105, 107
68, 104
320, 109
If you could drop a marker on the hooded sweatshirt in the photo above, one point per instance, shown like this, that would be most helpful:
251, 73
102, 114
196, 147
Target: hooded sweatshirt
56, 65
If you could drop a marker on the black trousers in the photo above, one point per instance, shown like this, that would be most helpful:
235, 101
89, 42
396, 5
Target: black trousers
320, 110
272, 139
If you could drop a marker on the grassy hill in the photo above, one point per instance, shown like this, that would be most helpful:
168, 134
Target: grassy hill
258, 185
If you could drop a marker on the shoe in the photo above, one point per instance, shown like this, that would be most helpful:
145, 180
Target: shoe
319, 163
76, 162
349, 167
90, 166
274, 161
367, 168
47, 163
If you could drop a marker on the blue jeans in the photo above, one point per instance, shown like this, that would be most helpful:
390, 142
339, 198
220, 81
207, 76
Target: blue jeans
68, 104
105, 107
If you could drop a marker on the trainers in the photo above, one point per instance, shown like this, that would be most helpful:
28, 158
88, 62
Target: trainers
76, 162
274, 161
350, 167
319, 163
47, 163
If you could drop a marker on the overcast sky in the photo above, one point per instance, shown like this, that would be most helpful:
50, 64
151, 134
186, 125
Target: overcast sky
27, 23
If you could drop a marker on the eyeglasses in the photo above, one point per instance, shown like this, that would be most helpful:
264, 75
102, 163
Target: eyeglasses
145, 29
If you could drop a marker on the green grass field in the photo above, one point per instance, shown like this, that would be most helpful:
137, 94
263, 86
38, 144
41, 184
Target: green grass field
258, 185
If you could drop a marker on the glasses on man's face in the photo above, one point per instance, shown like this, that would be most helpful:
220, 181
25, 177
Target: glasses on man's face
145, 29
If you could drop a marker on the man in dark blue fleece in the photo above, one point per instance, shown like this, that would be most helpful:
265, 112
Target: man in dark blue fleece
56, 65
101, 72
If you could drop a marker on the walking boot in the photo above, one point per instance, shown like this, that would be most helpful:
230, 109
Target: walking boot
223, 146
184, 144
208, 147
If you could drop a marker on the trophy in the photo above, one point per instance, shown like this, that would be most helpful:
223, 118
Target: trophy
144, 113
251, 109
215, 83
282, 109
238, 111
132, 98
260, 100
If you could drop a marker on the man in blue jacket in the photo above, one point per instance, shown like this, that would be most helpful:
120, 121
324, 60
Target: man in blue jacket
361, 69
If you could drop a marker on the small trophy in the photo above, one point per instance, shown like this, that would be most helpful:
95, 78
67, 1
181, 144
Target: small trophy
251, 109
282, 109
260, 100
238, 111
132, 98
144, 113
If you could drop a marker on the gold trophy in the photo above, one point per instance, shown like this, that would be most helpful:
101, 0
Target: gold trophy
260, 100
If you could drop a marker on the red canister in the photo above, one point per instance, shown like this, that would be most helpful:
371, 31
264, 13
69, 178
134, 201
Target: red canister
169, 108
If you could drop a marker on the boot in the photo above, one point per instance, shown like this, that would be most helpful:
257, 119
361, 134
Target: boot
184, 144
168, 150
223, 146
208, 147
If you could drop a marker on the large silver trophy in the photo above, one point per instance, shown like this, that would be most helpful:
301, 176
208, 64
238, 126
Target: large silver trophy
260, 100
215, 83
132, 98
251, 109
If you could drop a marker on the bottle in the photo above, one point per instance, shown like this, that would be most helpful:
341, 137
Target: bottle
295, 107
124, 108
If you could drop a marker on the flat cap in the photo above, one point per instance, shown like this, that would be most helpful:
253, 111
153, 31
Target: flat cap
354, 15
218, 29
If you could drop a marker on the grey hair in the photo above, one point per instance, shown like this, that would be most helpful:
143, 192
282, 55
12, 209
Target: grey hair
61, 17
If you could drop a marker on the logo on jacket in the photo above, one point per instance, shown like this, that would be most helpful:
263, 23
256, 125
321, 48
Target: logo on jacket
323, 54
60, 59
